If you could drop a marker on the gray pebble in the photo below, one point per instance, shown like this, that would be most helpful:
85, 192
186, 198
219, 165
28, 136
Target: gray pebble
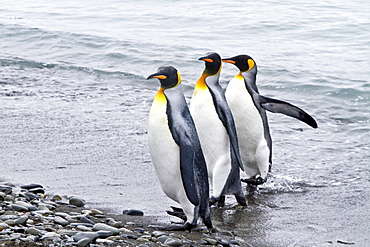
84, 228
173, 242
50, 236
61, 221
89, 235
84, 219
4, 225
133, 212
31, 186
211, 241
104, 234
75, 201
6, 189
19, 208
83, 242
33, 231
81, 224
158, 233
102, 226
2, 196
22, 220
162, 239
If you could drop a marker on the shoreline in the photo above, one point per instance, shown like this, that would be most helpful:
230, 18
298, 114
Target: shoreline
31, 217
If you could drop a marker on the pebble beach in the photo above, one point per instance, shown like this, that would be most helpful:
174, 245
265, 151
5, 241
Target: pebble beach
29, 216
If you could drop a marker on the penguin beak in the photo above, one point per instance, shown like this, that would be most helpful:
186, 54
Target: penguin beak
228, 60
206, 59
157, 75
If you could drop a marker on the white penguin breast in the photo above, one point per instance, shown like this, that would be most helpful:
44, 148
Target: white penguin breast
249, 126
164, 151
213, 138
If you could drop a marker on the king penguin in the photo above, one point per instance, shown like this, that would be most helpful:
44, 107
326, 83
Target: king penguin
217, 133
248, 108
176, 151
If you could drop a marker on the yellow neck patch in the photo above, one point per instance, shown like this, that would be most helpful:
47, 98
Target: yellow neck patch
250, 64
239, 76
160, 97
201, 83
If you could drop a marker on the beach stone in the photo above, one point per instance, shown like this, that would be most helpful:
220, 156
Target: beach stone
31, 196
84, 219
162, 239
6, 189
10, 222
133, 212
70, 233
43, 207
19, 208
84, 228
125, 230
2, 196
50, 236
37, 191
21, 220
105, 241
158, 233
62, 214
4, 225
15, 236
56, 198
75, 201
31, 186
83, 242
33, 231
211, 241
61, 221
81, 224
102, 226
81, 235
139, 230
173, 242
96, 211
9, 198
104, 234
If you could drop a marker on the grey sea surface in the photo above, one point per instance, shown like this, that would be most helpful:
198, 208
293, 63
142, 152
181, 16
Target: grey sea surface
74, 103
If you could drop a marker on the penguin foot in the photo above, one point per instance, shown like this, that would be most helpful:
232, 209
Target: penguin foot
177, 212
254, 181
220, 201
241, 200
185, 227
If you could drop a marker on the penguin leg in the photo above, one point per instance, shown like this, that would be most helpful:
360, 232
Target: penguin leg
207, 221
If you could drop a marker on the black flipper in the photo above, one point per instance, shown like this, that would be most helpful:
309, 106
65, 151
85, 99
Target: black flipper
187, 171
278, 106
226, 117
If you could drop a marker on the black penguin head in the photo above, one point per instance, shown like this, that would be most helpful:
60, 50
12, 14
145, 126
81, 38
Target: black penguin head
168, 76
213, 63
243, 62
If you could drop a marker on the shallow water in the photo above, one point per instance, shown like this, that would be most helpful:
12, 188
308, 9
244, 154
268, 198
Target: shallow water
74, 104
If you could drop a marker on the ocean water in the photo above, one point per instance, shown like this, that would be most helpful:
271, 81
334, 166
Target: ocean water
74, 103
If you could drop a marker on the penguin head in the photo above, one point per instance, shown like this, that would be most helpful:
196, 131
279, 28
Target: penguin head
168, 76
213, 63
244, 63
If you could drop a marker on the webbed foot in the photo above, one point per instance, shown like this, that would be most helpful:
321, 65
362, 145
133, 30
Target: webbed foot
177, 212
